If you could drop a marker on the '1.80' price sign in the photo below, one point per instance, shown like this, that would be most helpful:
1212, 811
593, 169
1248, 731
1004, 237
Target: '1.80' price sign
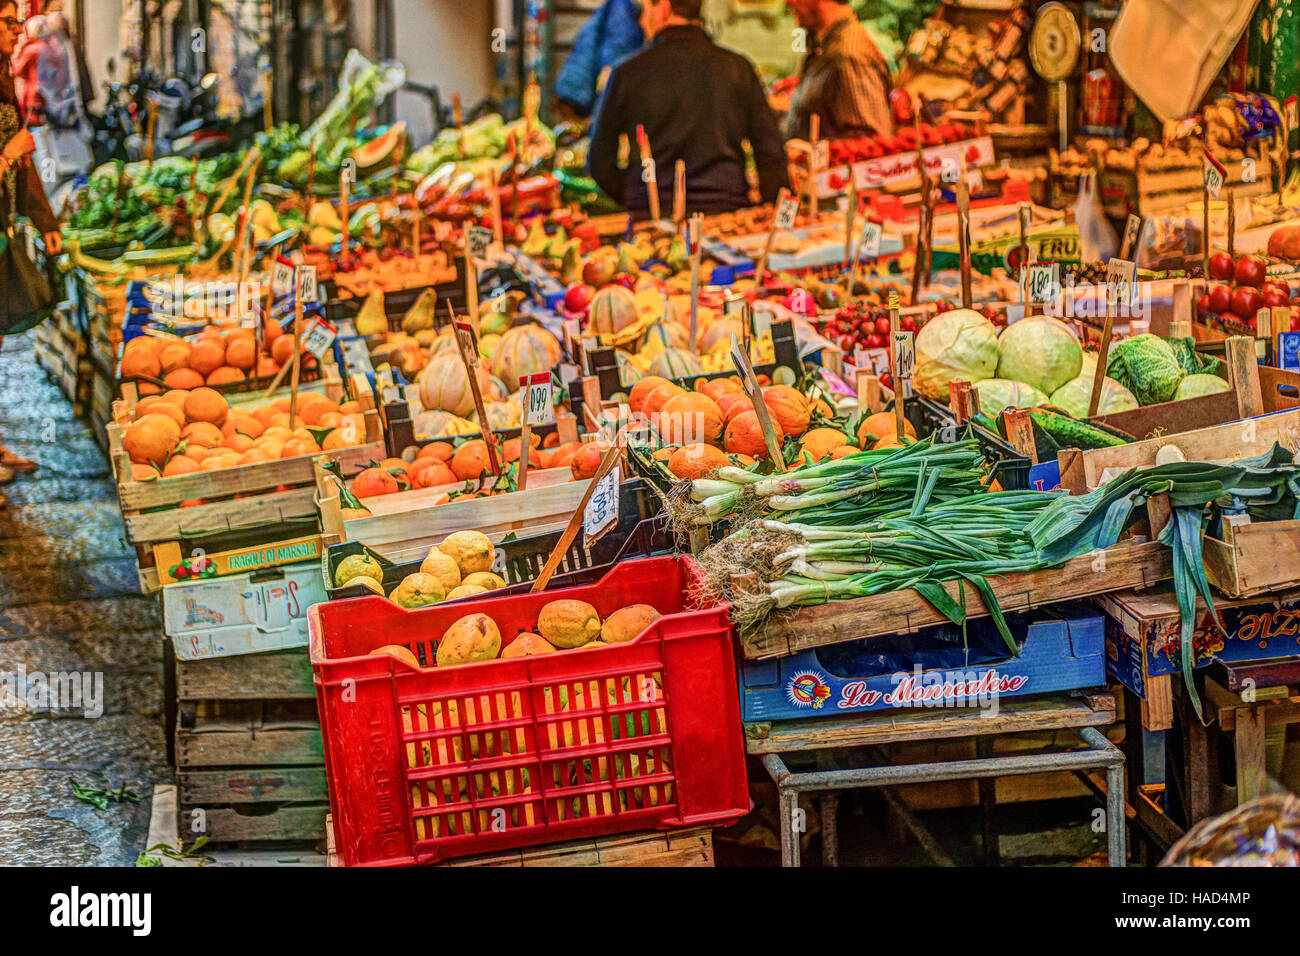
535, 393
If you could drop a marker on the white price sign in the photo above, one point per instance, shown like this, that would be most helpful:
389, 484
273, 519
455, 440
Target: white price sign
869, 244
602, 509
877, 360
465, 333
307, 284
535, 394
1214, 174
281, 279
905, 351
821, 154
1044, 282
318, 337
786, 212
479, 241
1120, 274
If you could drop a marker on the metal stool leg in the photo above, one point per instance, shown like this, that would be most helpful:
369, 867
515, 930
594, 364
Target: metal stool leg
828, 804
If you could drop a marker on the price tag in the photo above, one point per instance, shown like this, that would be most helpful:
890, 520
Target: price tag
535, 394
1119, 280
1214, 174
1291, 107
307, 284
821, 154
786, 212
1044, 282
479, 241
465, 332
869, 244
318, 337
762, 322
602, 509
905, 350
281, 279
877, 360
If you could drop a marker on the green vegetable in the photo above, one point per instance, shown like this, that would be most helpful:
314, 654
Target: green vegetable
1147, 367
1041, 352
999, 393
1195, 385
958, 344
1074, 396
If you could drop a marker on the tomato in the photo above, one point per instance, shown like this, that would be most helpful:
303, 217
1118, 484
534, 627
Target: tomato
1220, 298
1246, 302
907, 323
1203, 304
1221, 266
1295, 318
882, 326
1249, 271
875, 341
1273, 298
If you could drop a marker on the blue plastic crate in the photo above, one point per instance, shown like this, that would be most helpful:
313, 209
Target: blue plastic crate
1059, 650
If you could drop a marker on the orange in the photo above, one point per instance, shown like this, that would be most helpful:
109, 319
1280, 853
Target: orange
206, 405
180, 465
586, 460
263, 413
237, 442
175, 355
350, 408
157, 404
471, 460
732, 404
242, 422
281, 420
207, 355
842, 450
312, 412
298, 446
140, 362
340, 438
881, 425
177, 396
789, 406
266, 368
372, 482
690, 418
391, 465
151, 439
744, 436
696, 461
440, 450
717, 387
820, 442
183, 378
202, 433
241, 352
432, 474
641, 391
254, 455
277, 431
224, 375
282, 349
272, 446
143, 472
658, 398
330, 420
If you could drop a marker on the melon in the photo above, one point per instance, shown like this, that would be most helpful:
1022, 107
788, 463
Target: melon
445, 386
720, 331
665, 335
524, 350
612, 310
439, 424
380, 150
676, 363
628, 373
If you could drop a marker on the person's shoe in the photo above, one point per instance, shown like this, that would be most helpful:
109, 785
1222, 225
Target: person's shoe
6, 475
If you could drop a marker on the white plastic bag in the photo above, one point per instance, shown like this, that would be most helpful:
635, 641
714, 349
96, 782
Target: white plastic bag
1097, 239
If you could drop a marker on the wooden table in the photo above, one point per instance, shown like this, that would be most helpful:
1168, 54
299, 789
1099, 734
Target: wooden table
770, 740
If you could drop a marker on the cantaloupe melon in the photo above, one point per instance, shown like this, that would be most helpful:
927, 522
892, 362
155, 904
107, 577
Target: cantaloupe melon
445, 386
676, 363
524, 350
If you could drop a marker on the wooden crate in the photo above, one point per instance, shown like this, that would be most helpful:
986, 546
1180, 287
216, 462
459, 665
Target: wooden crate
689, 847
250, 762
263, 528
1146, 191
1126, 565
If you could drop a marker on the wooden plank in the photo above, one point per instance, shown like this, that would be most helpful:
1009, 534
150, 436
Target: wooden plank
231, 744
223, 516
1277, 713
1213, 443
1248, 747
1281, 672
256, 785
1255, 556
280, 674
405, 502
1015, 715
1125, 566
689, 847
1158, 707
226, 825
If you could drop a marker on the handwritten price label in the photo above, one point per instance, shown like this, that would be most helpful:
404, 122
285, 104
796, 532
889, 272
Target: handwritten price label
1131, 230
465, 333
1119, 280
869, 243
318, 337
821, 154
281, 279
1044, 282
1214, 174
307, 284
786, 212
905, 356
479, 241
602, 509
535, 394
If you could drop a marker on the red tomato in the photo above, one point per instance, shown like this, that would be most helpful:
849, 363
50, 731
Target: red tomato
1221, 266
1249, 271
1273, 298
1220, 298
875, 341
1246, 302
907, 323
882, 326
1203, 304
1295, 318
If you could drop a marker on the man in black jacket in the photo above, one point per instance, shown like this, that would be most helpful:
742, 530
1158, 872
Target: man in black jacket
698, 103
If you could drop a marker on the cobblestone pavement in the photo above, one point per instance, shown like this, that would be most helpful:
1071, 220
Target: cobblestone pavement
69, 602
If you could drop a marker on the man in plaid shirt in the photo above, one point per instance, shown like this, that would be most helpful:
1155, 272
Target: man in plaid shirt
845, 79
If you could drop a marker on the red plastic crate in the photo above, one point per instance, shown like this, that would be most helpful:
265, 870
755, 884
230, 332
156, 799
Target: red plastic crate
432, 763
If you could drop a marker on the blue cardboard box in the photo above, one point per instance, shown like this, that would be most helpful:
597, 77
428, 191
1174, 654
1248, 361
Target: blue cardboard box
1060, 649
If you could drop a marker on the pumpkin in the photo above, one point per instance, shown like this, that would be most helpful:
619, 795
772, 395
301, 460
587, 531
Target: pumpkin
524, 350
744, 435
612, 310
676, 363
690, 418
502, 415
445, 386
788, 406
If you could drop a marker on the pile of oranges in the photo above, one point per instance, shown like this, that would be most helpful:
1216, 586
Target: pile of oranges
183, 431
441, 463
219, 355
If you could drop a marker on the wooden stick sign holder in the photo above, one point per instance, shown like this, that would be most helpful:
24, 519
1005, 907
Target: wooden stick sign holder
648, 173
814, 136
1103, 351
679, 195
782, 218
694, 227
749, 384
467, 348
963, 237
902, 361
579, 514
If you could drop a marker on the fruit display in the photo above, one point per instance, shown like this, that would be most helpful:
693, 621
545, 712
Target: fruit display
1243, 288
460, 566
183, 431
222, 355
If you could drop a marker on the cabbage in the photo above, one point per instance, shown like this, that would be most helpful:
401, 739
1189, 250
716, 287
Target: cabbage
1073, 396
1194, 386
1041, 352
999, 393
959, 344
1147, 367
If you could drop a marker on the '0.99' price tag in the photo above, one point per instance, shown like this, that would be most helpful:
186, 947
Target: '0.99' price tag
602, 509
535, 393
1120, 274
